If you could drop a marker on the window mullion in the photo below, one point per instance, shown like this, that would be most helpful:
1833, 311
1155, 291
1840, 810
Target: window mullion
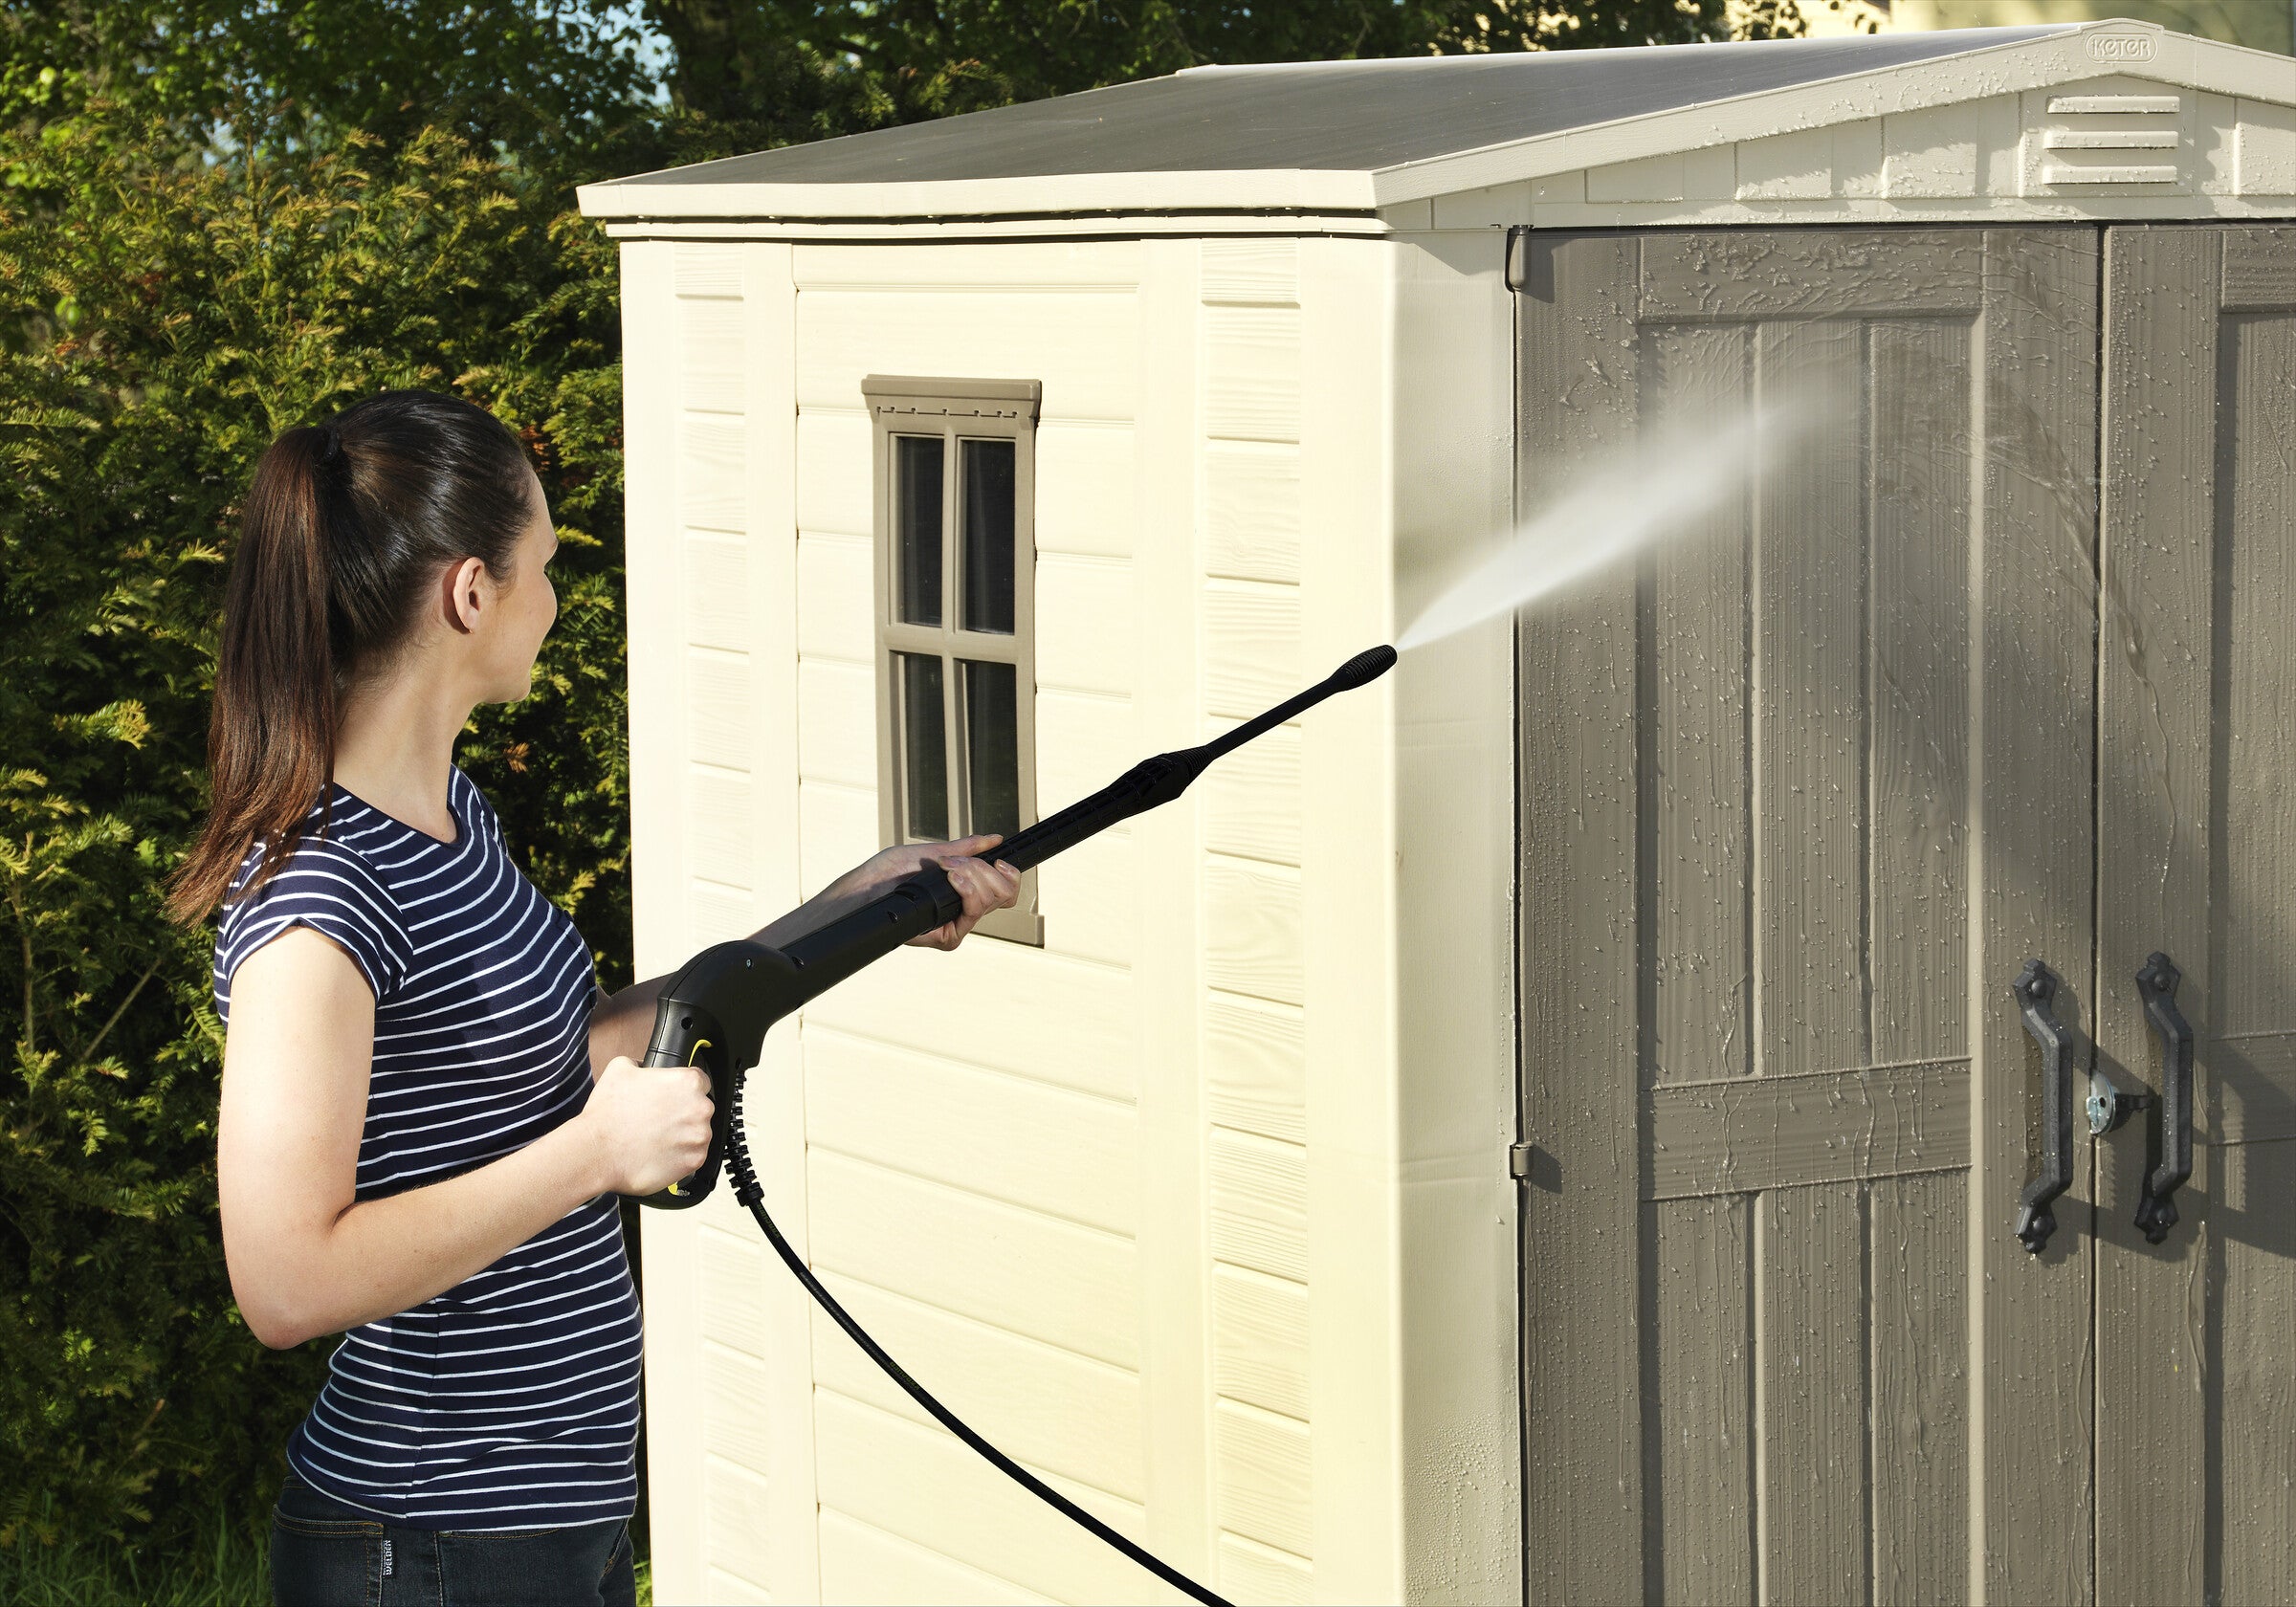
952, 600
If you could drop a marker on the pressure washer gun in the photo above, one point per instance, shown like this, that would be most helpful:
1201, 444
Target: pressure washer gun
715, 1013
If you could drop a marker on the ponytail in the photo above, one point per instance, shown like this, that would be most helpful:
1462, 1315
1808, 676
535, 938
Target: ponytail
345, 526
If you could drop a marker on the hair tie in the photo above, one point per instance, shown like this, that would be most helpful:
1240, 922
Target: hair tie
330, 445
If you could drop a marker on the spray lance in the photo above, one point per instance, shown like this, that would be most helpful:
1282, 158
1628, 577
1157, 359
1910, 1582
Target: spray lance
715, 1014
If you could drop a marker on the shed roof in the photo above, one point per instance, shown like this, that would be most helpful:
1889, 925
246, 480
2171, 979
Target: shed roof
1343, 135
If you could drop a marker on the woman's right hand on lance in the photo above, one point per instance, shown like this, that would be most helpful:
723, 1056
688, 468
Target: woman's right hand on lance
651, 1124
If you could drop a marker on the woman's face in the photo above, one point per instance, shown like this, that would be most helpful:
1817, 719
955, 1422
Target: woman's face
524, 606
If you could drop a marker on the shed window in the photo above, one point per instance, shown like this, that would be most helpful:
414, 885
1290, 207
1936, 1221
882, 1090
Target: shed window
955, 577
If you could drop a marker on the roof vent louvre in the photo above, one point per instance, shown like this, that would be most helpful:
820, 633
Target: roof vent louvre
2101, 141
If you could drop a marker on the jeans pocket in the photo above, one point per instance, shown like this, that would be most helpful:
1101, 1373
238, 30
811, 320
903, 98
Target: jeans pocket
569, 1567
325, 1562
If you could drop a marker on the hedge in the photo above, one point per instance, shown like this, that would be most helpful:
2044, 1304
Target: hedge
160, 319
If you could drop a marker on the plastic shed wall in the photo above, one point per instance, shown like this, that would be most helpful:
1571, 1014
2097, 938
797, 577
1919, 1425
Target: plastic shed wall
1455, 828
1135, 1201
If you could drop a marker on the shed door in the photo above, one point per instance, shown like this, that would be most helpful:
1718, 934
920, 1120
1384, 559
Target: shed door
2196, 1336
1800, 796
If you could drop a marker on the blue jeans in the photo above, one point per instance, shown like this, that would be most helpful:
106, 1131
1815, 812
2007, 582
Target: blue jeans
326, 1554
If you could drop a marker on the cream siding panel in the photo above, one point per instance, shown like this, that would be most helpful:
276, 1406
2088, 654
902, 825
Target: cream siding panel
1710, 174
1260, 1341
1557, 189
721, 810
1259, 1204
1252, 511
1354, 1158
1251, 373
1653, 178
2217, 137
737, 1518
1034, 1014
1034, 1274
834, 448
709, 426
703, 270
1493, 207
735, 1389
1933, 152
1263, 1471
1167, 988
837, 829
1080, 347
1087, 896
1084, 640
733, 1284
837, 722
721, 714
860, 1562
1252, 799
927, 1488
726, 1589
2265, 142
1251, 648
1026, 1143
1085, 489
1051, 265
713, 361
712, 472
1251, 1571
716, 589
717, 913
1255, 1068
1843, 160
1083, 741
1047, 1407
836, 613
1252, 929
1262, 272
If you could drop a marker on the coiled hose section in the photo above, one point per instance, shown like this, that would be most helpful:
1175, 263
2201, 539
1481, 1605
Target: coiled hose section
746, 1190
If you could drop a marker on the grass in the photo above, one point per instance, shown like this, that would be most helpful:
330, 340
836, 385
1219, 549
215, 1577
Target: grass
234, 1571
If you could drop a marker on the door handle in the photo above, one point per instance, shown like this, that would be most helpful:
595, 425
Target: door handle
2169, 1156
2035, 991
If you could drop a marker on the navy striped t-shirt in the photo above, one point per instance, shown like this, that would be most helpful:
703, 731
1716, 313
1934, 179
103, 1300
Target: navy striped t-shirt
511, 1401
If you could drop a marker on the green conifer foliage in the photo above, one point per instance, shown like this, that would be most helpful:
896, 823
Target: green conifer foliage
163, 315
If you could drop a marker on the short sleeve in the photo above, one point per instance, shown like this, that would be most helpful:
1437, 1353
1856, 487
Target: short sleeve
333, 890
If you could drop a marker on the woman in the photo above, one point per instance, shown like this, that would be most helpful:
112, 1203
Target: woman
427, 1110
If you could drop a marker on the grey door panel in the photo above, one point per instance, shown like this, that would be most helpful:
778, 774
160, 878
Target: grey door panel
1802, 792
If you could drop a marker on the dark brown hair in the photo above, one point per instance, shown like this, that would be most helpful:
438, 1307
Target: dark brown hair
345, 527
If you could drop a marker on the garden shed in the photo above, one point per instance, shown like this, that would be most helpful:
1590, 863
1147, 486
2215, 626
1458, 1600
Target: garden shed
1548, 1127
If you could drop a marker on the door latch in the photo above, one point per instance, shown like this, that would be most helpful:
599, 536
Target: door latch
2034, 992
2169, 1156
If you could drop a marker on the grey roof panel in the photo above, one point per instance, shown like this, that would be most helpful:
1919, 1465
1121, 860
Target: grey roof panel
1341, 116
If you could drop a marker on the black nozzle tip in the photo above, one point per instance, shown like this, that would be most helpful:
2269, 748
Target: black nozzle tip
1365, 668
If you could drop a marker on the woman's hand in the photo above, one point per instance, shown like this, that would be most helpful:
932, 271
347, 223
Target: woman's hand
650, 1124
983, 885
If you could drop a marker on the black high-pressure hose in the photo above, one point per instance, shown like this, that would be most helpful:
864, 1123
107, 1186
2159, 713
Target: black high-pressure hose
715, 1012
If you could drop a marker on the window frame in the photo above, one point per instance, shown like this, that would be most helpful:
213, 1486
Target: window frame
956, 410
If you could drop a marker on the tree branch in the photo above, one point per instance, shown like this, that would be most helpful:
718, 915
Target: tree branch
15, 904
102, 1032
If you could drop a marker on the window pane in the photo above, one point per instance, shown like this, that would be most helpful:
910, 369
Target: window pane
924, 748
988, 547
992, 751
917, 463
